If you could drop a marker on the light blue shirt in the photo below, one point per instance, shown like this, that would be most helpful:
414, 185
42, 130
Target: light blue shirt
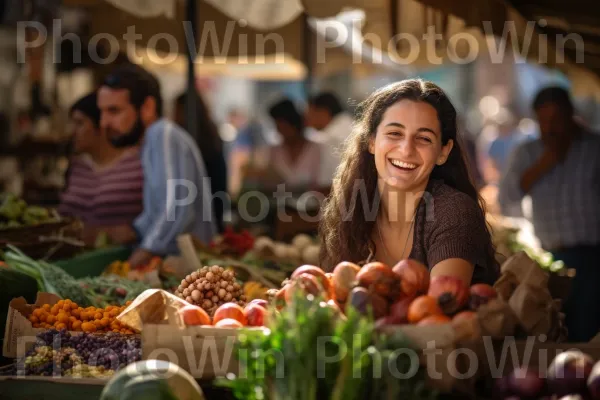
177, 191
565, 201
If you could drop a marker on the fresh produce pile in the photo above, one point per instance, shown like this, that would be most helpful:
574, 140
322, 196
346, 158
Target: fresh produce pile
111, 290
233, 243
211, 287
99, 291
302, 249
290, 360
572, 375
399, 295
15, 212
59, 353
228, 315
50, 278
68, 315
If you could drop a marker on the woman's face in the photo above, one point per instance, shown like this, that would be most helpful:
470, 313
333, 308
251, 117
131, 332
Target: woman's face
85, 133
408, 145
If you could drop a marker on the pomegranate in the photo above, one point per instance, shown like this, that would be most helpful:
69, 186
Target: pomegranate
380, 279
414, 278
256, 315
317, 272
450, 292
481, 294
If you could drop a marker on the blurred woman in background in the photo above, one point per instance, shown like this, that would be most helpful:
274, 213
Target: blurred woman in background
296, 161
104, 184
211, 148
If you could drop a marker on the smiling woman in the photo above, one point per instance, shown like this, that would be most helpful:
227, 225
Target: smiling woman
405, 162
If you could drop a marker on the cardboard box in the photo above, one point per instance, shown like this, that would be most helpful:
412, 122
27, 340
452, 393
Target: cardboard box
204, 352
19, 334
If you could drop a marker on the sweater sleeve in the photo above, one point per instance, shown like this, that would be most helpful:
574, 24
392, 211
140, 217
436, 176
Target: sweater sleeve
458, 231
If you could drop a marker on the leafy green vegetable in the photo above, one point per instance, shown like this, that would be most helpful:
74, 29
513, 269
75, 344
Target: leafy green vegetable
310, 352
111, 290
49, 277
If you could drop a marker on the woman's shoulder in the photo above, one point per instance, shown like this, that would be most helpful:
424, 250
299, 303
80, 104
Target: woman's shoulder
450, 202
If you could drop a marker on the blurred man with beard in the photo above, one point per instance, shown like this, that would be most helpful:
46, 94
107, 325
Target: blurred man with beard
177, 192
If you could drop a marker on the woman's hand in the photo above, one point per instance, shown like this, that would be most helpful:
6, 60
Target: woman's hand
456, 267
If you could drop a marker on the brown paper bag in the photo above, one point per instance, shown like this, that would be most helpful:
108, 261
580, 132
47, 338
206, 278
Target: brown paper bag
153, 306
525, 269
497, 319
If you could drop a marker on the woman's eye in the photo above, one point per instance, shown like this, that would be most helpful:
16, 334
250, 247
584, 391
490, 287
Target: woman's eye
394, 133
425, 139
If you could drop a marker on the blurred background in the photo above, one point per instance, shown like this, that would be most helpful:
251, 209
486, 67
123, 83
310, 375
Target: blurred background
491, 57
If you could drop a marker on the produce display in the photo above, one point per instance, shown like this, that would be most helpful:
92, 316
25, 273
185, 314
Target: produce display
302, 249
291, 361
111, 290
15, 212
59, 353
399, 295
571, 375
50, 278
228, 315
69, 316
211, 287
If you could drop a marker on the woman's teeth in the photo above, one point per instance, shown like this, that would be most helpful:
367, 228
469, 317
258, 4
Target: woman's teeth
402, 164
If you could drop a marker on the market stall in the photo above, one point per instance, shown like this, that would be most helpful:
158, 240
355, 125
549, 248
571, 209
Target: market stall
241, 296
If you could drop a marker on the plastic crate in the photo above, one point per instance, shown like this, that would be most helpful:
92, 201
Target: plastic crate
93, 263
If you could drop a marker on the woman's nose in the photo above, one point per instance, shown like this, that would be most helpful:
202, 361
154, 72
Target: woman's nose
406, 146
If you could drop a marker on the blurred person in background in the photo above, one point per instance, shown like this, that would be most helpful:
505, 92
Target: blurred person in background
104, 183
508, 137
296, 161
559, 172
211, 148
331, 125
249, 149
177, 193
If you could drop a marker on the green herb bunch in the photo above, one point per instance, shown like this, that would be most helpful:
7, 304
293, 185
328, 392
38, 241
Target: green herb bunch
310, 351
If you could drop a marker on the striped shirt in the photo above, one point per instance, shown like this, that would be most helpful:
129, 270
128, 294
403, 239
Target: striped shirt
177, 191
104, 195
566, 201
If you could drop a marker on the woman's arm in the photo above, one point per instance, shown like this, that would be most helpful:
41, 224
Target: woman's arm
456, 267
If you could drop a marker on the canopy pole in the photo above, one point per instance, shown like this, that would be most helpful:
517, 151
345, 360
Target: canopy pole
307, 55
191, 10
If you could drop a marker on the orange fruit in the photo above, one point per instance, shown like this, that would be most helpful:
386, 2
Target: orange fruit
422, 307
230, 310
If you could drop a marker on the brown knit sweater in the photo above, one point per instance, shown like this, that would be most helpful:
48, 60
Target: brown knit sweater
448, 224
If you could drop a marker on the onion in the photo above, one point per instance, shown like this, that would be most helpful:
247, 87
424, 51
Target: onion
526, 382
569, 372
593, 382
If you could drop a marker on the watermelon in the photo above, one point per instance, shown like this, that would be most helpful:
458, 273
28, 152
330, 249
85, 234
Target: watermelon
152, 380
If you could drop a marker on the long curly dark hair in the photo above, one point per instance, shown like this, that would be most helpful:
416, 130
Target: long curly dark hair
345, 230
